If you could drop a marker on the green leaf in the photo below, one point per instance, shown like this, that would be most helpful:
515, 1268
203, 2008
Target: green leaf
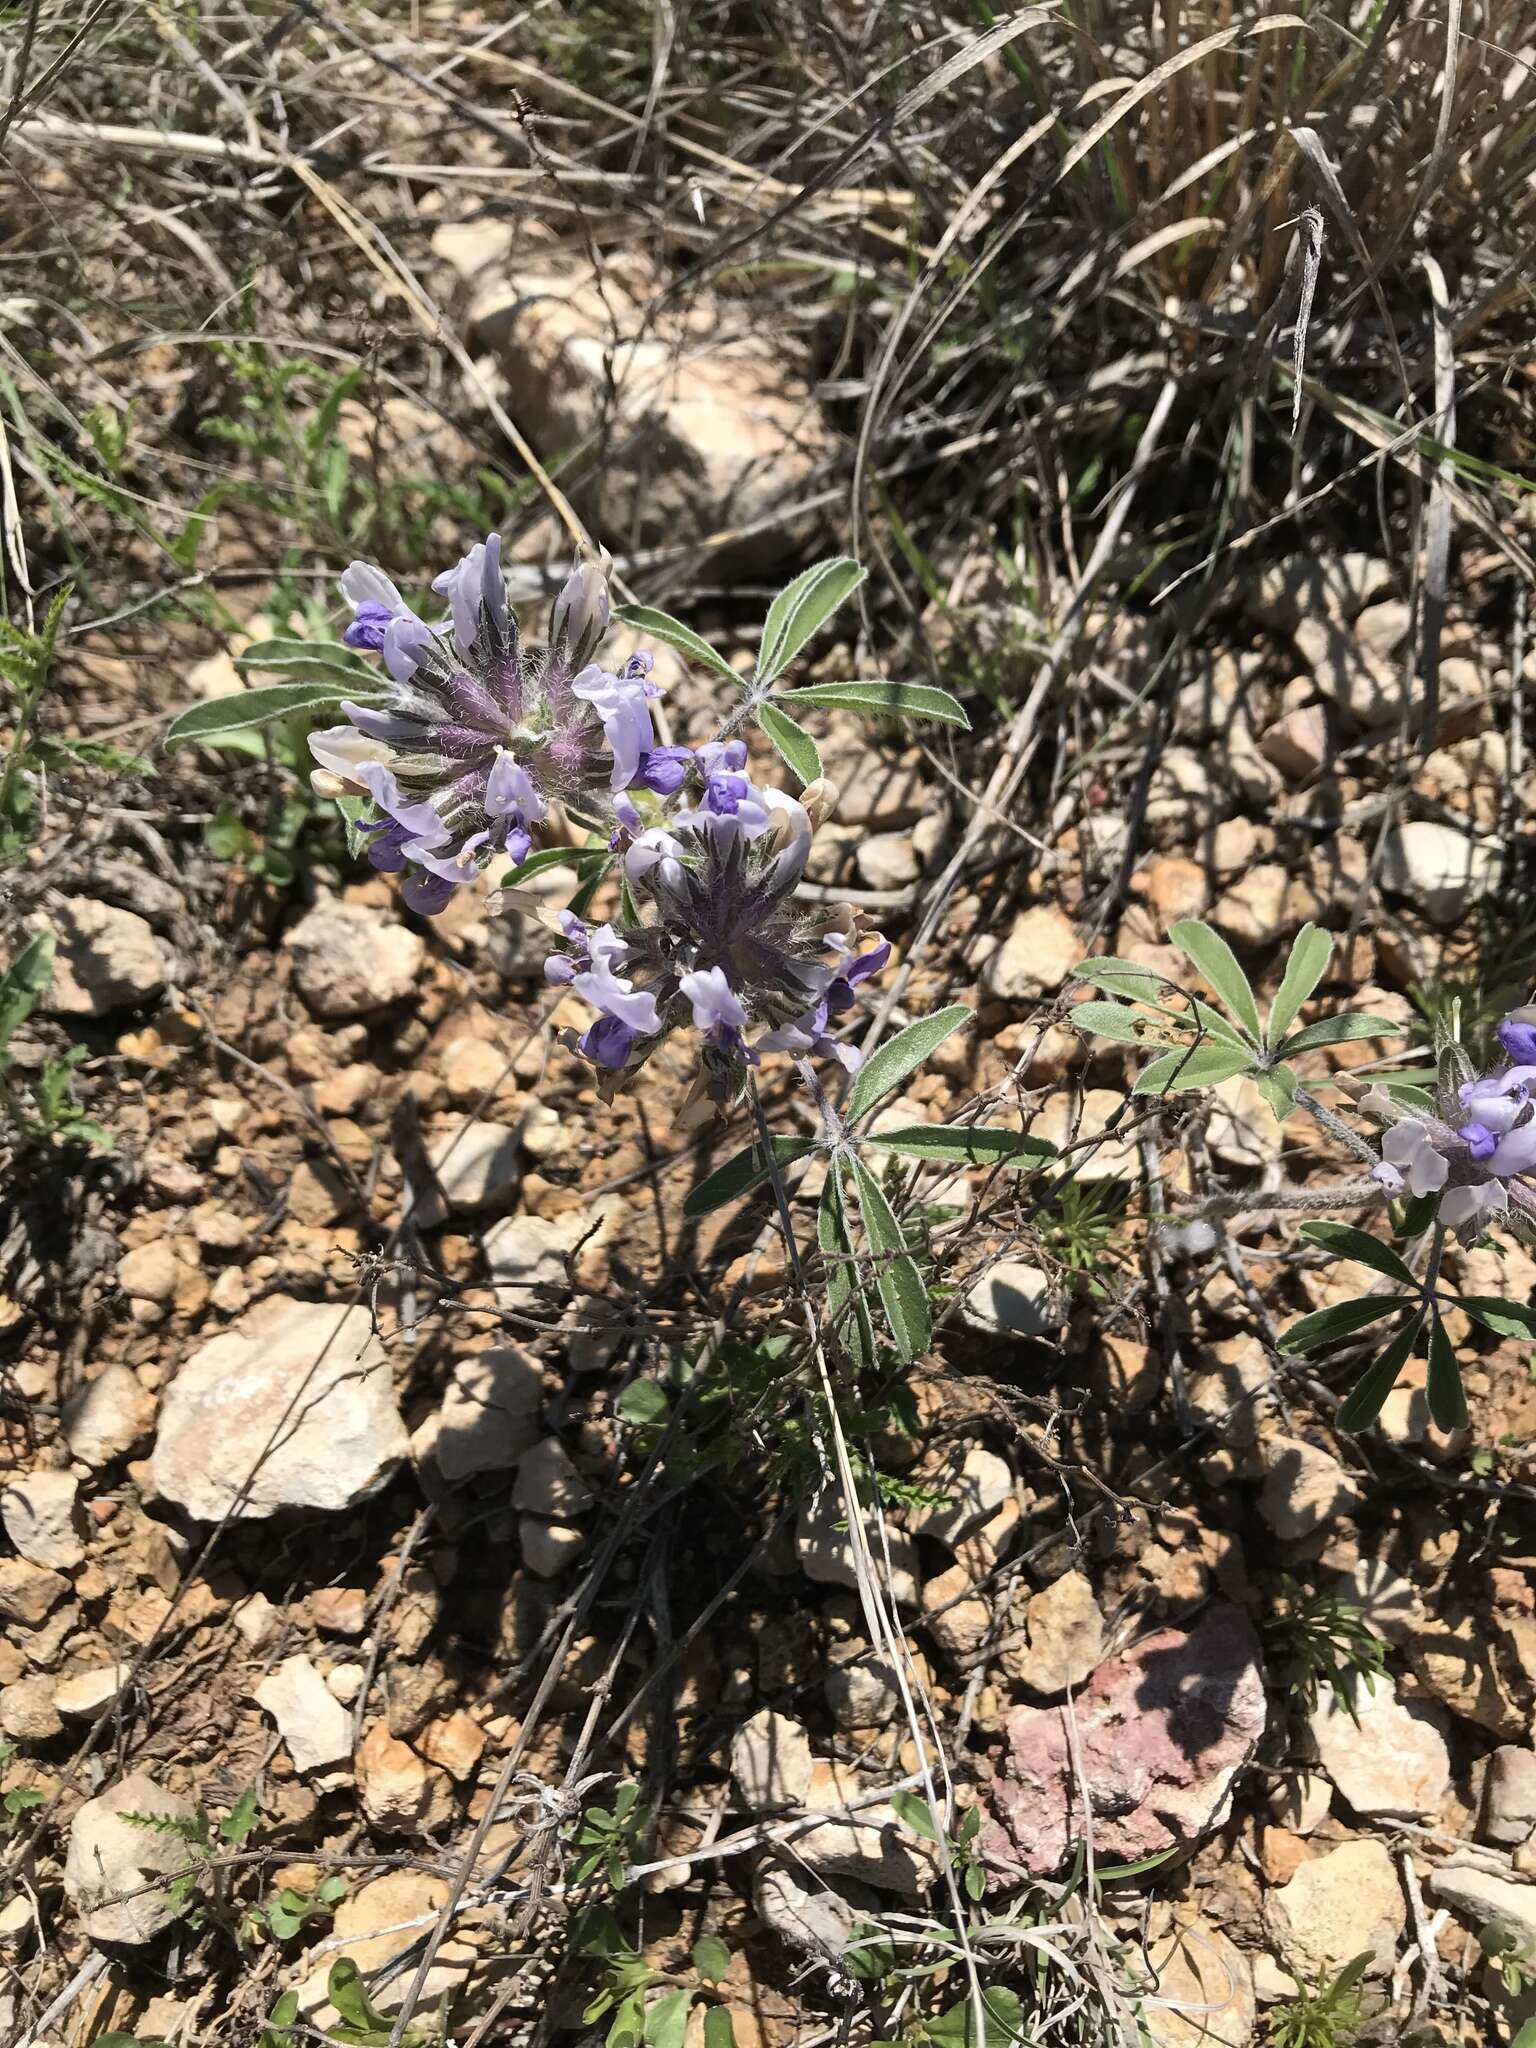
900, 1285
916, 1812
345, 1989
739, 1176
1110, 1873
666, 2020
644, 1404
887, 700
313, 661
965, 1145
1121, 978
23, 982
847, 1309
900, 1056
1340, 1031
1504, 1318
1341, 1320
870, 1954
718, 2029
673, 633
711, 1957
1311, 950
1201, 1068
242, 1817
793, 742
1278, 1088
204, 725
1345, 1242
588, 861
1002, 2023
1118, 1021
1209, 951
802, 609
1374, 1385
1447, 1395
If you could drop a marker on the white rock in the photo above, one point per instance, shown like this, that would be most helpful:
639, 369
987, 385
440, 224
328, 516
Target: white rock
1297, 744
1395, 1763
826, 1552
548, 1483
42, 1517
110, 1861
311, 1720
1242, 1129
530, 1251
1014, 1299
808, 1916
1301, 1802
350, 959
107, 959
1387, 1601
1509, 1796
977, 1482
291, 1407
27, 1710
1036, 958
548, 1547
1360, 670
474, 1164
83, 1695
107, 1416
1204, 1996
862, 1690
887, 860
770, 1762
1066, 1638
1304, 1488
1337, 1907
490, 1413
1440, 869
1479, 1896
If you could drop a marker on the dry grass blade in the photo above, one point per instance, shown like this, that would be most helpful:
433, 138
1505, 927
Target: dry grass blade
1170, 68
1437, 532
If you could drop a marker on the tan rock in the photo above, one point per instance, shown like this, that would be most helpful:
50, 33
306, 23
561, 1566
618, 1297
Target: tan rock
1304, 1488
401, 1794
1391, 1762
1066, 1639
1337, 1907
107, 959
111, 1862
313, 1723
106, 1417
1036, 958
1204, 1996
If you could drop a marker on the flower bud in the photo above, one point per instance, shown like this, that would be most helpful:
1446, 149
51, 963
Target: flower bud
581, 614
819, 800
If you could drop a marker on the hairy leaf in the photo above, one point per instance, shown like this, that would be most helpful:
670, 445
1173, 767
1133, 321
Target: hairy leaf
673, 633
801, 610
1447, 1395
1203, 1067
313, 661
792, 741
1346, 1242
585, 860
1504, 1318
900, 1285
1311, 950
1120, 1022
242, 710
1340, 1031
1121, 978
902, 1055
739, 1176
847, 1310
23, 982
1209, 951
1341, 1320
887, 700
965, 1145
1278, 1088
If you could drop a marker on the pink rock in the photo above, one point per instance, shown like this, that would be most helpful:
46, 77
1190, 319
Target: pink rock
1161, 1733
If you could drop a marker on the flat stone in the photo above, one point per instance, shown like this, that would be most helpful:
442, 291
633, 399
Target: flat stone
1441, 870
1301, 1802
807, 1916
862, 1689
1066, 1639
43, 1518
770, 1763
826, 1552
1198, 1968
1395, 1762
373, 1928
29, 1592
1509, 1796
976, 1481
887, 860
350, 960
82, 1695
1242, 1129
107, 959
1161, 1734
1013, 1299
475, 1163
1389, 1604
312, 1722
548, 1483
1304, 1488
111, 1860
548, 1547
292, 1407
27, 1710
1347, 1903
1035, 959
106, 1417
151, 1272
1297, 744
1479, 1896
401, 1794
490, 1413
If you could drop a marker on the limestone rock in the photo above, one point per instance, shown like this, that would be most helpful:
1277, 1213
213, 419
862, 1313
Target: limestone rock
1013, 1299
29, 1592
376, 1925
82, 1695
150, 1272
1388, 1603
401, 1793
1337, 1907
1509, 1796
43, 1518
1067, 1119
1395, 1762
548, 1547
110, 1859
548, 1483
313, 1723
1297, 744
1066, 1639
28, 1712
956, 1618
1304, 1488
862, 1691
107, 1416
808, 1917
291, 1407
107, 959
1440, 869
887, 860
1162, 1733
1227, 1391
826, 1552
475, 1163
869, 1844
490, 1413
1301, 1802
350, 960
1204, 1996
1479, 1896
976, 1481
1035, 959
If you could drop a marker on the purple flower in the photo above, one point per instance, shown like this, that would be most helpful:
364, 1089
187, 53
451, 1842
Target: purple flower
1410, 1149
1517, 1035
486, 732
1479, 1140
1515, 1154
607, 990
1497, 1101
608, 1043
662, 769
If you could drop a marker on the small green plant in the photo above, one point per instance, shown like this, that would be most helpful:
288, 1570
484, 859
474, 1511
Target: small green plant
1512, 1955
19, 1800
608, 1835
625, 1981
1323, 2014
918, 1816
202, 1891
1319, 1639
44, 1107
292, 1910
1080, 1228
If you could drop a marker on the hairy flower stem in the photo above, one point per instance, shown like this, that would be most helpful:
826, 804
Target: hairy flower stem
1336, 1127
1344, 1195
